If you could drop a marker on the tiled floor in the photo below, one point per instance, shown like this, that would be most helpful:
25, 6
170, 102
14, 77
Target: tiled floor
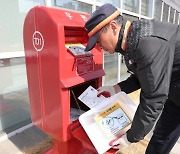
28, 138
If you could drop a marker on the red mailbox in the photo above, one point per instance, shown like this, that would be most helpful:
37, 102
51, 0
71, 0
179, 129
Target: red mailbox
58, 71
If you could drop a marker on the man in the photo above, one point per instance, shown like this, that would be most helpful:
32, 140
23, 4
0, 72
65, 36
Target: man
152, 53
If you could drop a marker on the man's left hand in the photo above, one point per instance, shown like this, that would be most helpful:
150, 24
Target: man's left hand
120, 142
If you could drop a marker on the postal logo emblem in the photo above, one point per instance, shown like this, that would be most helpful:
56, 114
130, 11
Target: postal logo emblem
38, 41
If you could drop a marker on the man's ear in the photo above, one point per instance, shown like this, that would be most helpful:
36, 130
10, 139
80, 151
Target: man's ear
114, 27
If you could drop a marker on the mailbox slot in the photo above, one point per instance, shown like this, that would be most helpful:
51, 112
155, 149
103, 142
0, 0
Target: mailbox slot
79, 34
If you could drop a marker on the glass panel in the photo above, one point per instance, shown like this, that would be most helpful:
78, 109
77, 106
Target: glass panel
14, 100
116, 3
165, 13
146, 7
177, 17
74, 5
111, 68
131, 5
130, 18
157, 9
124, 74
171, 15
11, 23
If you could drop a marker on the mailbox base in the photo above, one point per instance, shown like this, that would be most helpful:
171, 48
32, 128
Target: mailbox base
73, 146
78, 144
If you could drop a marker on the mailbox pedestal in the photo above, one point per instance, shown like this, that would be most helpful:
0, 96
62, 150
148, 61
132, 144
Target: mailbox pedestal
58, 71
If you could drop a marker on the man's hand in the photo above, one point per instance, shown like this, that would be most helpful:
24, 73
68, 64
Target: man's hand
106, 91
120, 142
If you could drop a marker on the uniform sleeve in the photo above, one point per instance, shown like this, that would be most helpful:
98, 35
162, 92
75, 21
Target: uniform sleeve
154, 58
130, 84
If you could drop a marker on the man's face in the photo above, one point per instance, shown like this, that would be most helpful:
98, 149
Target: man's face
108, 38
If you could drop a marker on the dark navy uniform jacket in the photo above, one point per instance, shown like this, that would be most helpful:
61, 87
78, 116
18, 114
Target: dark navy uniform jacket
155, 63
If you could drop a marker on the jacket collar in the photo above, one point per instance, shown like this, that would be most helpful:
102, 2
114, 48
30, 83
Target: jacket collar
123, 34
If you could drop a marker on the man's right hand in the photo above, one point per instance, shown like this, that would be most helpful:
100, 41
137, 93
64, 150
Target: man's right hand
106, 91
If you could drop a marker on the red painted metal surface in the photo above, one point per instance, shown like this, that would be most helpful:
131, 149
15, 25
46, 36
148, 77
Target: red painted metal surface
52, 73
